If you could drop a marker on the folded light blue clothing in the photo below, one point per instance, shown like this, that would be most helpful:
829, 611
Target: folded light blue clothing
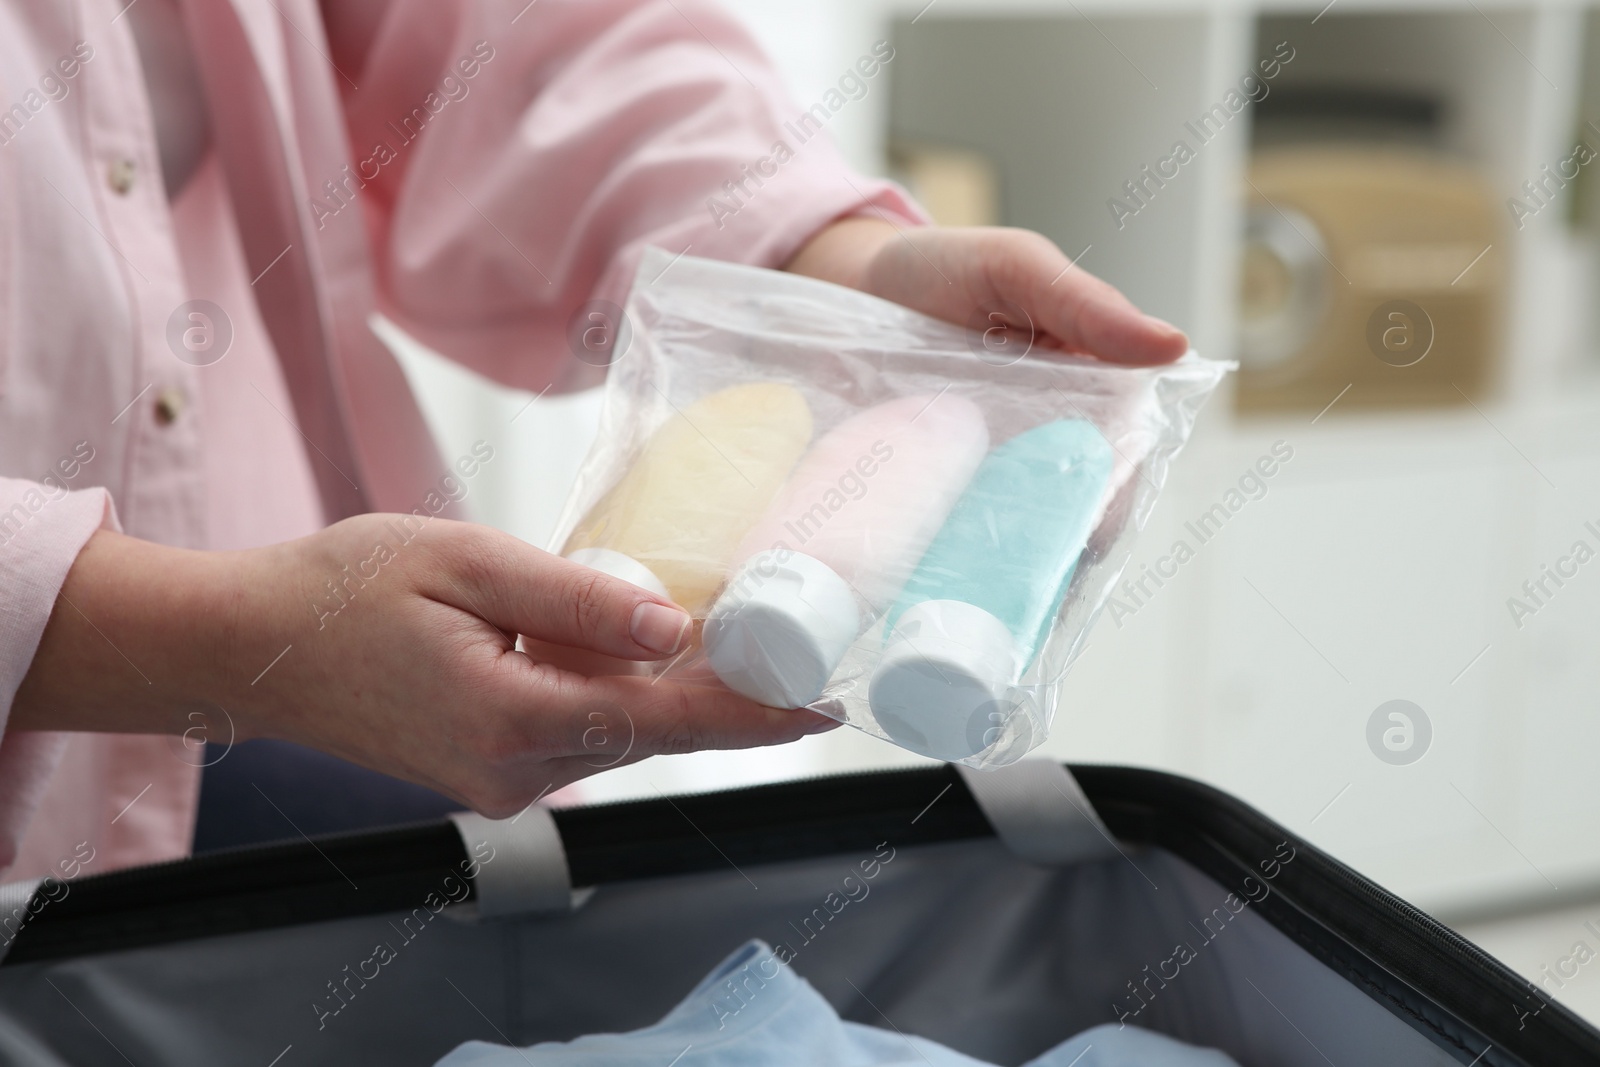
754, 1010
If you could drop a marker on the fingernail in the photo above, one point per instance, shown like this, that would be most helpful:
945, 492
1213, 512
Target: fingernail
1164, 324
658, 627
823, 725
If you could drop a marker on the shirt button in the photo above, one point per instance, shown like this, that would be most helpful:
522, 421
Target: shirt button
119, 175
169, 405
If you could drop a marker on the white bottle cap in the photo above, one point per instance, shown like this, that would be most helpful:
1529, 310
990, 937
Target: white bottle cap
780, 628
941, 687
620, 566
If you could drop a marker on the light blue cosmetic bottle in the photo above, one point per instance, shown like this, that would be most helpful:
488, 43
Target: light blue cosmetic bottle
979, 605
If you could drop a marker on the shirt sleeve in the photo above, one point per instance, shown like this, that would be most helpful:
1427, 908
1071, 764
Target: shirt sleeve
514, 166
42, 530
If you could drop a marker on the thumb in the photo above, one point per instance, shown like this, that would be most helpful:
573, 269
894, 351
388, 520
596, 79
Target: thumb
1082, 312
521, 589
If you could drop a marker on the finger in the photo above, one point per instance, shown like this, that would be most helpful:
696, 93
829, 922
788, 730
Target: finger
1108, 326
536, 728
654, 716
1082, 312
672, 717
521, 589
580, 660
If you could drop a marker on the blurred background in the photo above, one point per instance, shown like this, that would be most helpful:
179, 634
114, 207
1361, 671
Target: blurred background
1387, 214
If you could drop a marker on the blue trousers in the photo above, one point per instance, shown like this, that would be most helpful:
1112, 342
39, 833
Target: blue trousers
261, 791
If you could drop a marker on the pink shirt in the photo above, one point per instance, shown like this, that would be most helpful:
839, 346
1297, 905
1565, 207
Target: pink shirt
475, 169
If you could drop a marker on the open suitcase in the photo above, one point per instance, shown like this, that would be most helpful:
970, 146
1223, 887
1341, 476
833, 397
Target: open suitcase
996, 912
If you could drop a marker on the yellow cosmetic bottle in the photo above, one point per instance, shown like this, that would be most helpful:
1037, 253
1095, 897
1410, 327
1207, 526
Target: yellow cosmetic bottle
673, 522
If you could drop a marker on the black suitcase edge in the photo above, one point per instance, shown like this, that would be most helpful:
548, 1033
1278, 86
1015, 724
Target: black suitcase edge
1367, 935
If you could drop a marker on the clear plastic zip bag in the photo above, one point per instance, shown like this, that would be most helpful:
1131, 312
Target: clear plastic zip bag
903, 525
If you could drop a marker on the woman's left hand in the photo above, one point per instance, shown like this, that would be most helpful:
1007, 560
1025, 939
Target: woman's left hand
984, 277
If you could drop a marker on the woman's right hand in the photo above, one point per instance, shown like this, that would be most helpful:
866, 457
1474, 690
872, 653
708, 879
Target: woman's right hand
390, 642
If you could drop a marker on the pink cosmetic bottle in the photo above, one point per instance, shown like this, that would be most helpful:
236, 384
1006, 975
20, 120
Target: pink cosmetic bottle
838, 542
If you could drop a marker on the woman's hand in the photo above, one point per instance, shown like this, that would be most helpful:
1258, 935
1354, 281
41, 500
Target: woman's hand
991, 276
389, 642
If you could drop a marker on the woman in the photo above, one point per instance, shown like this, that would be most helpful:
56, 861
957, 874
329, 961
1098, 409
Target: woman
187, 180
